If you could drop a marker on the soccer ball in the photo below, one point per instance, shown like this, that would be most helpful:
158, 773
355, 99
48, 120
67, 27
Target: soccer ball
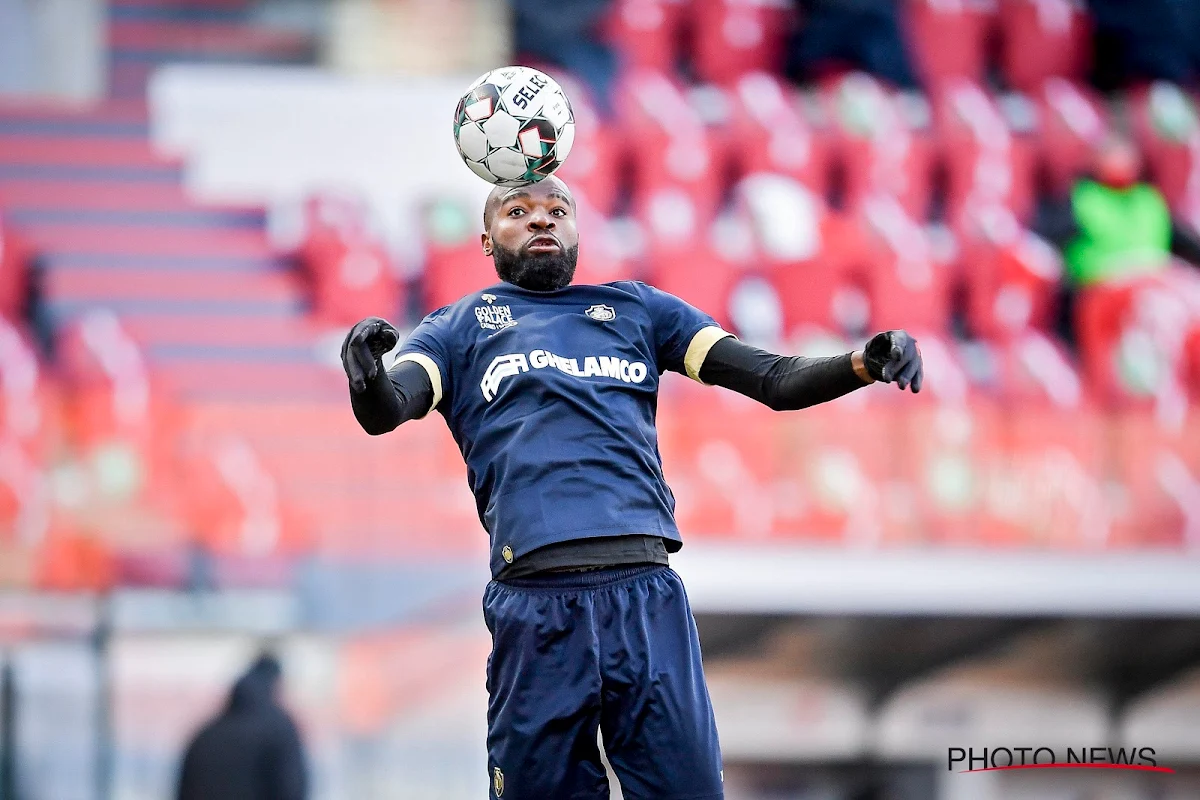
514, 126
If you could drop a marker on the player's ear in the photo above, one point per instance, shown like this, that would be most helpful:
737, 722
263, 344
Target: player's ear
486, 242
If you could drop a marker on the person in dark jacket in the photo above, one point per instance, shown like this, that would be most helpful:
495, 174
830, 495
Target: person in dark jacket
251, 750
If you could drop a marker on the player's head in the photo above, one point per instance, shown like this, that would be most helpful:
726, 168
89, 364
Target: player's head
1116, 162
530, 234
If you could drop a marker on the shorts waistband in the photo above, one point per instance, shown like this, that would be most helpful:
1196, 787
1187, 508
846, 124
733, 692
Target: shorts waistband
581, 580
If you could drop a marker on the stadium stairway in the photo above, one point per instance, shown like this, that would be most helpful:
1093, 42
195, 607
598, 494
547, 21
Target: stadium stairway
223, 322
146, 34
221, 317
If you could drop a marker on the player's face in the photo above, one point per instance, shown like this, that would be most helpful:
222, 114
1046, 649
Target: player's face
532, 236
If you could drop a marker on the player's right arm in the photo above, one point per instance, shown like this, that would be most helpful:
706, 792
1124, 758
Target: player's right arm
384, 399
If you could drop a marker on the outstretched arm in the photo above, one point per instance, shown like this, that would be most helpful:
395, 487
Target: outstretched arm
786, 383
381, 399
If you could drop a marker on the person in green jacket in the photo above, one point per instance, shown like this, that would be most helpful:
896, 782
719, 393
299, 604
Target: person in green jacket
1116, 233
1115, 226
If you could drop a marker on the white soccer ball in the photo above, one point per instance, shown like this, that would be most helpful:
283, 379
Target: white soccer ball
514, 126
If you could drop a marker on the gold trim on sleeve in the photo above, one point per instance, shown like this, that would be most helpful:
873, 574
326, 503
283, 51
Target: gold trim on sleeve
698, 349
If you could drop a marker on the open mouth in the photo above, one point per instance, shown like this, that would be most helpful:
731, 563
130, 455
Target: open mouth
543, 244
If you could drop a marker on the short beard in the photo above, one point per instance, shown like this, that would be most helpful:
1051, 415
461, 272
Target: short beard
538, 272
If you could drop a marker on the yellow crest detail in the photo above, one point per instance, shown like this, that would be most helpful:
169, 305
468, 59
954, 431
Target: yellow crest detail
497, 781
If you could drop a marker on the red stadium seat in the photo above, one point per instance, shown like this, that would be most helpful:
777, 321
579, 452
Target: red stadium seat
24, 395
907, 282
675, 152
1133, 338
879, 151
646, 33
702, 268
811, 256
1010, 275
350, 272
1072, 123
985, 163
1158, 473
454, 261
1033, 371
1043, 39
605, 255
770, 135
1166, 128
948, 38
735, 37
233, 502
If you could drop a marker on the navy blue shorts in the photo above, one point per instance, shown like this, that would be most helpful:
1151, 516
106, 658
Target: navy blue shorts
614, 650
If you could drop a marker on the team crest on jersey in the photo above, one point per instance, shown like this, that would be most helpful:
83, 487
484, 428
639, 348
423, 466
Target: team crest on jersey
497, 781
602, 313
494, 318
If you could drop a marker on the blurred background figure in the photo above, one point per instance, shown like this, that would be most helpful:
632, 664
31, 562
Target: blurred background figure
1132, 279
251, 750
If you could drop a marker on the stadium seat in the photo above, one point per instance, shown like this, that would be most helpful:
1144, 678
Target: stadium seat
1166, 127
647, 33
107, 376
1071, 124
675, 152
984, 161
233, 502
454, 261
24, 494
1028, 371
1133, 337
606, 254
1043, 39
1158, 476
948, 38
768, 134
1010, 275
702, 268
733, 37
349, 269
907, 282
810, 255
878, 149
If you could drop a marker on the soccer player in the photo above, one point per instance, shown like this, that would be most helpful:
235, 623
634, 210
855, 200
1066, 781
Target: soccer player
550, 391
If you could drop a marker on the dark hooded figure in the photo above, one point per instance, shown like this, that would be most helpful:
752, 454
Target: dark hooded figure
251, 751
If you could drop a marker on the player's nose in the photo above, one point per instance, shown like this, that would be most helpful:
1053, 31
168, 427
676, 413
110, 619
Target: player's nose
539, 220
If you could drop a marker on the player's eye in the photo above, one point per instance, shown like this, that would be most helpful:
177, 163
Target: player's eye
515, 211
562, 212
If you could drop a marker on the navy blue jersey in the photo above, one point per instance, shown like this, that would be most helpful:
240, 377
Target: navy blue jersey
551, 397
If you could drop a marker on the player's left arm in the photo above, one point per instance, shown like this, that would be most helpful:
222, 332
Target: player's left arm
786, 383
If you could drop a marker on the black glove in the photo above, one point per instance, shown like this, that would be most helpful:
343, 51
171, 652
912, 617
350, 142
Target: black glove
365, 344
894, 356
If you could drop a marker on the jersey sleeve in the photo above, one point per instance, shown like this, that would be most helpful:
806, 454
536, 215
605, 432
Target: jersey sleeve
683, 334
429, 346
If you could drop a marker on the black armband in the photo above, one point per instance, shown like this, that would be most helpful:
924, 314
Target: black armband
391, 398
784, 383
